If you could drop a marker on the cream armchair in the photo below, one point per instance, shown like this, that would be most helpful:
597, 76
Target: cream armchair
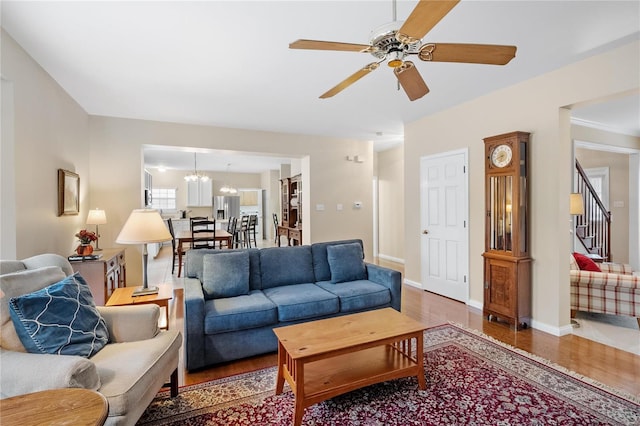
615, 290
137, 361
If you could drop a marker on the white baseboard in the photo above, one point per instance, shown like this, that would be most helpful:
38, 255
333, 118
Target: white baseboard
413, 284
390, 258
475, 304
556, 331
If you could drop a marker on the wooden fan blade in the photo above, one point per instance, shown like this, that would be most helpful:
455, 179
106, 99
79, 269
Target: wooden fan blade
411, 80
424, 17
491, 54
330, 45
350, 80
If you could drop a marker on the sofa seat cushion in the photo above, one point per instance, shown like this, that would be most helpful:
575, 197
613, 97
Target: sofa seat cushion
239, 313
302, 301
358, 295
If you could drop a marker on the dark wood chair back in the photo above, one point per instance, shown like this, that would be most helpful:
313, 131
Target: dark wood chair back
203, 234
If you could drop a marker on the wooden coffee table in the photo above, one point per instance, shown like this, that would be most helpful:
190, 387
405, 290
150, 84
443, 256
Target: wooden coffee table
69, 406
325, 358
123, 296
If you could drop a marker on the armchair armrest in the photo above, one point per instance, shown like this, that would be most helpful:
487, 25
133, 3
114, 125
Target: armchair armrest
131, 323
388, 278
26, 372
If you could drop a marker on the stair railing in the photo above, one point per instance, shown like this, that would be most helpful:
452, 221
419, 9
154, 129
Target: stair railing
593, 228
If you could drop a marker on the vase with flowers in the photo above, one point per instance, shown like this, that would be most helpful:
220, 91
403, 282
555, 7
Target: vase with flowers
86, 237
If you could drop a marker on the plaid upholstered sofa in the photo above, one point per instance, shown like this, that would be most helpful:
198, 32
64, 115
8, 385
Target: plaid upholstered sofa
615, 290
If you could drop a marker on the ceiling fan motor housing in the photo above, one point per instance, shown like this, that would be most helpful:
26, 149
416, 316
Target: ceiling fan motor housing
386, 45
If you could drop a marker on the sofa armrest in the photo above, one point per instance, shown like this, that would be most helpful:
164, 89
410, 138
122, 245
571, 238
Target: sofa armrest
603, 279
194, 323
388, 278
131, 323
616, 268
26, 372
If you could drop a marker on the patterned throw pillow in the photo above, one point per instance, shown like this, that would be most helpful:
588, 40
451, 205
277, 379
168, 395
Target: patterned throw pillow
345, 262
586, 264
60, 319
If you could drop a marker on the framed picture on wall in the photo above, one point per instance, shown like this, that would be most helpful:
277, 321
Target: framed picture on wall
68, 193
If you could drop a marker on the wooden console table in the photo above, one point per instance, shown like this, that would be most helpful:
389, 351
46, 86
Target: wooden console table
293, 234
68, 406
103, 275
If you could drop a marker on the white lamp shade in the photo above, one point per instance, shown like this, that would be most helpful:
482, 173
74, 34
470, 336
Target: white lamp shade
96, 217
576, 204
143, 226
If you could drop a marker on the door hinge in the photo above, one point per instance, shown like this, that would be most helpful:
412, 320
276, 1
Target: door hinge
464, 223
464, 169
465, 278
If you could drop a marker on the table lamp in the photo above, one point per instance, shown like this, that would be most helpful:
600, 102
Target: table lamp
144, 226
97, 217
576, 204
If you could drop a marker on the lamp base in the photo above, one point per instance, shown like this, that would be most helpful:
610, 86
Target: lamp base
141, 291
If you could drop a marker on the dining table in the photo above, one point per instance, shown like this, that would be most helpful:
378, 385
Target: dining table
186, 237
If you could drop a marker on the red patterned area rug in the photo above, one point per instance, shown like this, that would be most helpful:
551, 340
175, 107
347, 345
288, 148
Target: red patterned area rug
472, 379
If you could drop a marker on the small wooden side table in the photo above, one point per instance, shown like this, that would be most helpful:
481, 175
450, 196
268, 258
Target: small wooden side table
69, 406
123, 296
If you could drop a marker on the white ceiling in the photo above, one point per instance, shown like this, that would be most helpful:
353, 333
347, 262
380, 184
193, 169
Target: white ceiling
227, 63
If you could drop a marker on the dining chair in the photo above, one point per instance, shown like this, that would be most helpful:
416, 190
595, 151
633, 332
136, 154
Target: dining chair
203, 234
275, 228
251, 231
231, 229
174, 249
240, 236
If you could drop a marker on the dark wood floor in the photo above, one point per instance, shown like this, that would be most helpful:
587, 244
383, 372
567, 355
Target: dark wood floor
613, 367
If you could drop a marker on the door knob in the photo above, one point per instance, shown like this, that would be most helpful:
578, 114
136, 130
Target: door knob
425, 231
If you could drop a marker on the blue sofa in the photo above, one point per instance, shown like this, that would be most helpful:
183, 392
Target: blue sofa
234, 298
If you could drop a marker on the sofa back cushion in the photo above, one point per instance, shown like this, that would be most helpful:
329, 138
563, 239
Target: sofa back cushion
345, 262
225, 274
286, 266
321, 267
17, 284
193, 264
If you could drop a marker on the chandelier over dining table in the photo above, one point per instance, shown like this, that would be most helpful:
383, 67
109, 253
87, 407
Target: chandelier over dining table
227, 188
192, 177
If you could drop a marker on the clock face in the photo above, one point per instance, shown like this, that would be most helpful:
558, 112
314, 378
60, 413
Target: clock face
501, 156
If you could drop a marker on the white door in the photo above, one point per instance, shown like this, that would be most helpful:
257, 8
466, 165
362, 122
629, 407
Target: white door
443, 220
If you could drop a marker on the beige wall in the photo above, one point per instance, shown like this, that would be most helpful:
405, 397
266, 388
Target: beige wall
618, 165
116, 178
390, 172
534, 106
51, 132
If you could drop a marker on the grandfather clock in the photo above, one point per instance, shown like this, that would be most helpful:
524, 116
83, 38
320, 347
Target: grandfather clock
507, 265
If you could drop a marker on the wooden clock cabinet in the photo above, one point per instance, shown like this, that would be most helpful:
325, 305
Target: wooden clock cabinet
507, 265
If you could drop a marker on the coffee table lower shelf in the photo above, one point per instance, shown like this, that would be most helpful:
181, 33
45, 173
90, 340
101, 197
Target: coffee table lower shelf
327, 378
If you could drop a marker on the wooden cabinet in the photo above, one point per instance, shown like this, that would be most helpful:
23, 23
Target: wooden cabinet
291, 209
507, 265
199, 193
104, 275
248, 198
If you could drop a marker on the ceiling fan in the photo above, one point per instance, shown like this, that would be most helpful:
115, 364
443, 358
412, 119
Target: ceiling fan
393, 44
